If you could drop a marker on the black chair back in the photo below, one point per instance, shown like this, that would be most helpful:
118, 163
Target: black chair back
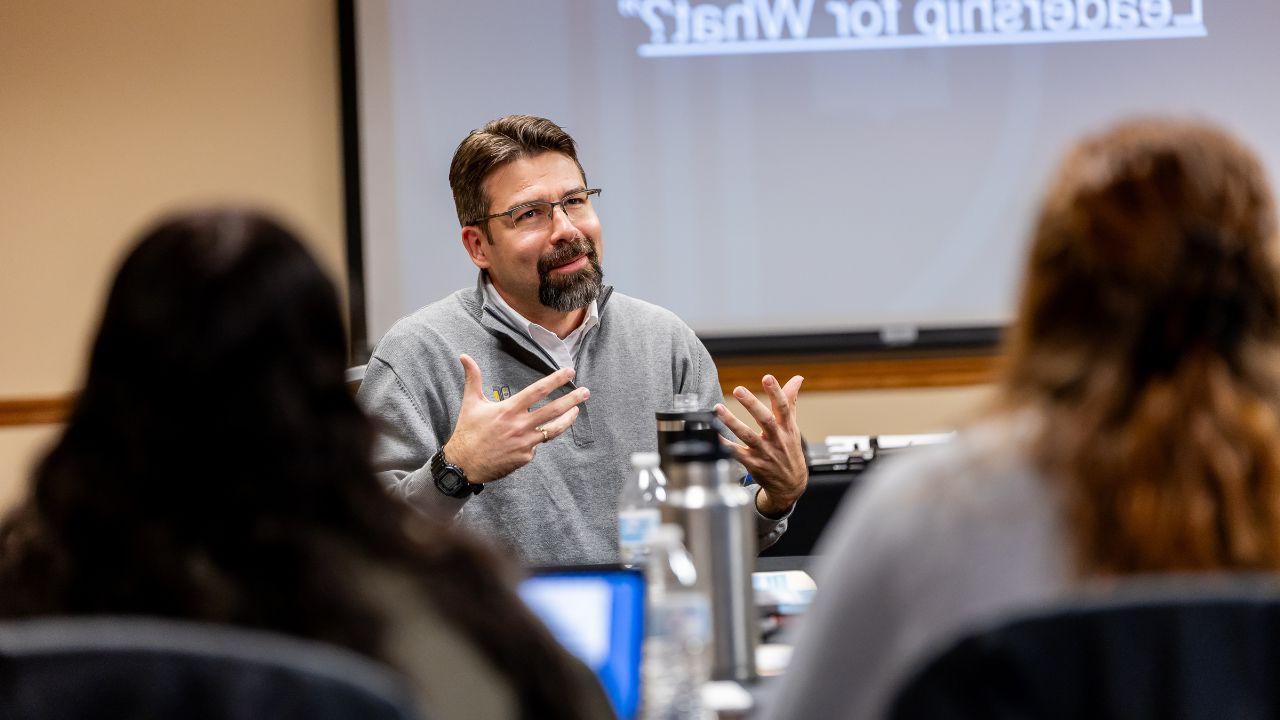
1199, 658
116, 668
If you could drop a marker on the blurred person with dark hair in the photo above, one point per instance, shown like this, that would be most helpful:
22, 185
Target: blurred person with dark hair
215, 468
1138, 433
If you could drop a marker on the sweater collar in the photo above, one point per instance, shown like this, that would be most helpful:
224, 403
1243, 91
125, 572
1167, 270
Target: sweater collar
495, 321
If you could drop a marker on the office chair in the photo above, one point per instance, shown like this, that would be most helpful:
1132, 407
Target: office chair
353, 377
1205, 654
111, 668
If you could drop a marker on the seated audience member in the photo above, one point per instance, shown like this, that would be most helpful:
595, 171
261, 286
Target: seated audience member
1138, 433
215, 468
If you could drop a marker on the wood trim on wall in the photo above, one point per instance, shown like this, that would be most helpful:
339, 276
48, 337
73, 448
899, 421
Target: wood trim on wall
835, 373
34, 411
821, 374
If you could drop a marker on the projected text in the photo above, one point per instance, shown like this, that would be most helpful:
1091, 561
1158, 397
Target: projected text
677, 28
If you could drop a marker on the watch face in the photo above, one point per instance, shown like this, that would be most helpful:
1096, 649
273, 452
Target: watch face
450, 482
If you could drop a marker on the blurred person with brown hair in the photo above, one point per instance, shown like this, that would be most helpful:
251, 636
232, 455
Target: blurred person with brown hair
1138, 430
216, 468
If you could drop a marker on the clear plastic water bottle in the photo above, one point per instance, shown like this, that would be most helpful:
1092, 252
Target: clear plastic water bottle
677, 642
686, 402
638, 507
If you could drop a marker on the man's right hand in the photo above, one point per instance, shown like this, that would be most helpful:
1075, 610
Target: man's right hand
493, 439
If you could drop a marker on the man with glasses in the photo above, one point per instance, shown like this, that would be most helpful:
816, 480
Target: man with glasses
487, 389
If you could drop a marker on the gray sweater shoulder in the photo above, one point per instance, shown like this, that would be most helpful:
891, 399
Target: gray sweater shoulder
644, 320
646, 314
429, 327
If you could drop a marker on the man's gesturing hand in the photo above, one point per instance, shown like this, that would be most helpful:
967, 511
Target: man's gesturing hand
775, 455
493, 439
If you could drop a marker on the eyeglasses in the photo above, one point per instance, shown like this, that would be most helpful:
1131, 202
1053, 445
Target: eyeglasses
536, 215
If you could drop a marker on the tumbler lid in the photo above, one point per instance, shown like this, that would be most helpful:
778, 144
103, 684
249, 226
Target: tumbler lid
698, 416
691, 450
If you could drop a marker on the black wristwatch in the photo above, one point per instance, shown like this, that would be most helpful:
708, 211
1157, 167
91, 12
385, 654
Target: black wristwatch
450, 479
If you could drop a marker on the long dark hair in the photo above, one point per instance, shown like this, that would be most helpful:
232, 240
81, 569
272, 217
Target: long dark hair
215, 463
1149, 339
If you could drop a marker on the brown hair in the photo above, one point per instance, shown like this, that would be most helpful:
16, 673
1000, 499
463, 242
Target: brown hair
495, 144
1147, 336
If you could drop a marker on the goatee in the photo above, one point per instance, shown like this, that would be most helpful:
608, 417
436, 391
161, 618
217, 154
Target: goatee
566, 292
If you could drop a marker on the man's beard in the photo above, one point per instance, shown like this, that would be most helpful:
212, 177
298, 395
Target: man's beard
568, 292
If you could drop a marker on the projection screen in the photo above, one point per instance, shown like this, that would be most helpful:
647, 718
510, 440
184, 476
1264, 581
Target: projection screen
774, 167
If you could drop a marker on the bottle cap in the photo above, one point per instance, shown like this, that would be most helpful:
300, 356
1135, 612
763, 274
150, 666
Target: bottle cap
685, 402
644, 460
667, 533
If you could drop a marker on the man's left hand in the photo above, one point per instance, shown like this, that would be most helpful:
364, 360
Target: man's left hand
774, 456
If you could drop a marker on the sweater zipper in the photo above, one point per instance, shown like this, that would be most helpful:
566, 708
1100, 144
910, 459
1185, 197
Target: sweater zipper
551, 363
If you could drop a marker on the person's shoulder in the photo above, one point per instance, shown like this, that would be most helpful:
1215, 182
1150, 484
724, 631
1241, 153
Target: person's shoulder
445, 666
641, 316
451, 308
933, 542
983, 475
427, 326
636, 309
979, 444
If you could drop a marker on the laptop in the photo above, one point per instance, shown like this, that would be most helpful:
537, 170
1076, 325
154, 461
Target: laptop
597, 613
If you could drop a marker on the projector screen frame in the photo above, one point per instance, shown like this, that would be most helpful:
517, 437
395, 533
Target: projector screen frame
853, 352
358, 345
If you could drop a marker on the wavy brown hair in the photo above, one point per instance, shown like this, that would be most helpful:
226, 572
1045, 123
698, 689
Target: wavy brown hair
216, 468
1148, 337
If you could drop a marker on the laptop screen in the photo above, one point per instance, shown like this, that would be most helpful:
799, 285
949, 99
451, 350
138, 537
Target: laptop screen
597, 613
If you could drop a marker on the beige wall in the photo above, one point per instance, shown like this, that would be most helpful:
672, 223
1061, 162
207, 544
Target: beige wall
112, 111
890, 412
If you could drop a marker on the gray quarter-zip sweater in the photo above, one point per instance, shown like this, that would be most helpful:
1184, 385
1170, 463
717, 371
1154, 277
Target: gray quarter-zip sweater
562, 507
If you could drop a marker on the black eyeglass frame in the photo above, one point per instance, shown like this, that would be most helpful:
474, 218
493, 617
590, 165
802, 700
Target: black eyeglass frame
510, 214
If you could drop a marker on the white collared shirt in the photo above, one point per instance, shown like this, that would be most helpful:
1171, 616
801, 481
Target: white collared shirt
562, 351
